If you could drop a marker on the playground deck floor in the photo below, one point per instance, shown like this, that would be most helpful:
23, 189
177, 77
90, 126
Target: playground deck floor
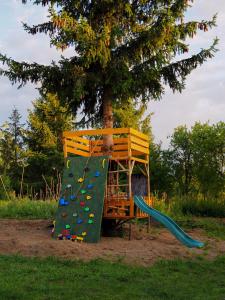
33, 238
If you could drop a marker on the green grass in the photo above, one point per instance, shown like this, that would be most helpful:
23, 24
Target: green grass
33, 278
26, 209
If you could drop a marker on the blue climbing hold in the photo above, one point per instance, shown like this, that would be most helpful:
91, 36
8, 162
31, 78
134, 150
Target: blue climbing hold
72, 197
79, 221
62, 202
90, 186
97, 174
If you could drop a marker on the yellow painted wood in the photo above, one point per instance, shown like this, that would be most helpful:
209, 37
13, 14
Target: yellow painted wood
139, 160
139, 148
139, 142
77, 152
77, 146
115, 148
73, 136
101, 131
139, 134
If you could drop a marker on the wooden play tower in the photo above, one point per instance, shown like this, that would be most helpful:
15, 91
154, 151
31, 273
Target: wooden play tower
130, 152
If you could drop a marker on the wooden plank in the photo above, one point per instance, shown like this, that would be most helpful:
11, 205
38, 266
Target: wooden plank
139, 134
139, 160
115, 141
101, 131
72, 135
64, 148
139, 148
115, 148
139, 141
77, 152
76, 145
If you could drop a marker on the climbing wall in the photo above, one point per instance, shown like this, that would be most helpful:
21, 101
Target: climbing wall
80, 209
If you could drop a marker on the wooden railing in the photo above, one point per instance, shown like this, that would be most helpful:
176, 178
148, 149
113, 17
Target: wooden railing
128, 143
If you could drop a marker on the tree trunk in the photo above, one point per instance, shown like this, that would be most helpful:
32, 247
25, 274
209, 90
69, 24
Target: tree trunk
107, 122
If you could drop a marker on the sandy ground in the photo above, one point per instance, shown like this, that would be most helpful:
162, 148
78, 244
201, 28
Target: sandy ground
33, 238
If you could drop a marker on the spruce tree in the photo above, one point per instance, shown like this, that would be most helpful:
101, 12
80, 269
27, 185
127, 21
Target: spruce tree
122, 49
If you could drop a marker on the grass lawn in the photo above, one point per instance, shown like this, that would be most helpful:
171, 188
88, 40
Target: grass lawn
33, 278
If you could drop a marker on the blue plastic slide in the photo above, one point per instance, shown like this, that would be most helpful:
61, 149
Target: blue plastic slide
168, 223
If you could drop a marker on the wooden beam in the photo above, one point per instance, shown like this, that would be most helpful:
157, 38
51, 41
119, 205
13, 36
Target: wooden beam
139, 134
139, 148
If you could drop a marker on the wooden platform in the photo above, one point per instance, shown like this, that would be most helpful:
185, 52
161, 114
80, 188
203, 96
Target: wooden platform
130, 151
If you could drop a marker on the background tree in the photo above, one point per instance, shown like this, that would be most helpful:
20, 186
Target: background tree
122, 49
12, 148
46, 123
182, 158
132, 114
209, 157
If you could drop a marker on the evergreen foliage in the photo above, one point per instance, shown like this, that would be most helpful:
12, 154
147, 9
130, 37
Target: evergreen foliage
122, 49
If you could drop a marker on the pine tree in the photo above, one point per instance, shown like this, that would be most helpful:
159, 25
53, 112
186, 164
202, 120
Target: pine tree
122, 49
46, 123
12, 148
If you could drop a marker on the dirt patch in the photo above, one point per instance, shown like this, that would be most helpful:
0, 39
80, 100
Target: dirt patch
33, 238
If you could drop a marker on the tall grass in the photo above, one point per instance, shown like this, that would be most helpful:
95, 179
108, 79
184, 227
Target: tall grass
27, 209
192, 206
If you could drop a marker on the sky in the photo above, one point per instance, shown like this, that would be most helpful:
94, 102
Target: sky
202, 100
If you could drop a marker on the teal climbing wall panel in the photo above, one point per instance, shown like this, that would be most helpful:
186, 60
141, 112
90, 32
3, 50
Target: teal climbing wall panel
80, 209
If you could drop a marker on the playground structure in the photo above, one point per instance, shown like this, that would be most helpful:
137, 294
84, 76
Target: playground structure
97, 185
130, 149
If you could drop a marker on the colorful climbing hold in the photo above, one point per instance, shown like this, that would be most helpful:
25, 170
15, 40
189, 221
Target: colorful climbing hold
84, 233
62, 202
80, 239
86, 208
90, 186
79, 221
103, 163
82, 203
68, 237
68, 186
72, 197
60, 236
75, 214
80, 180
97, 174
73, 237
91, 216
88, 197
65, 232
90, 221
83, 191
68, 226
68, 164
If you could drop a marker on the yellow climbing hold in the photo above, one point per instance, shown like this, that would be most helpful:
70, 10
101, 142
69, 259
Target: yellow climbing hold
80, 239
91, 216
84, 233
88, 197
68, 164
80, 180
103, 163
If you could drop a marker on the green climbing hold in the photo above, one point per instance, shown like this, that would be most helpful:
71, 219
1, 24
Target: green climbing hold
90, 221
67, 226
83, 191
86, 209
